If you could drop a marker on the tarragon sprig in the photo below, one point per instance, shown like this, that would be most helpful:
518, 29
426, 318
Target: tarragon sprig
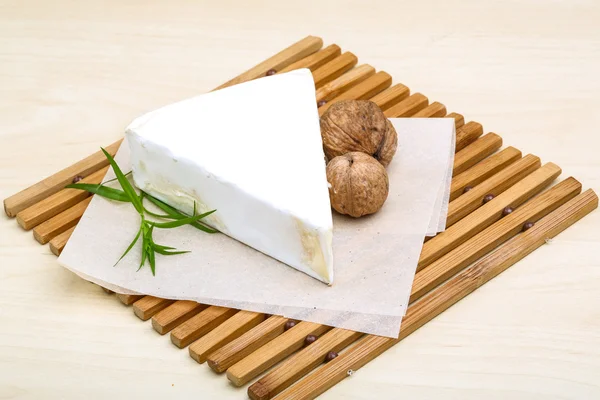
128, 194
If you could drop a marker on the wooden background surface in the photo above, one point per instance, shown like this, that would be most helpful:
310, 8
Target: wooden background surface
74, 73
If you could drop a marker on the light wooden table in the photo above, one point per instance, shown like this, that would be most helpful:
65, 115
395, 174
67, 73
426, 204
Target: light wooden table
74, 73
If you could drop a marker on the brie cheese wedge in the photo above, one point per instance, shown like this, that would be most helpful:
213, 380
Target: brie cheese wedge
254, 153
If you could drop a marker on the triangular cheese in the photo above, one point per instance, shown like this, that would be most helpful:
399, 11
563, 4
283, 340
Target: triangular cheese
254, 153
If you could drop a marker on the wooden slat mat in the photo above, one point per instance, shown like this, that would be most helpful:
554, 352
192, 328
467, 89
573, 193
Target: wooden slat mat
502, 208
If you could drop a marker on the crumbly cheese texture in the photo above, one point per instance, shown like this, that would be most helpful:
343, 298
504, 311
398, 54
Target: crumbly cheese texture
254, 153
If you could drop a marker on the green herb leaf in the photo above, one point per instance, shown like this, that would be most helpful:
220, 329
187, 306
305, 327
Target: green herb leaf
114, 179
129, 194
152, 261
127, 187
144, 255
158, 246
104, 191
169, 253
135, 239
163, 216
180, 222
164, 250
203, 228
175, 214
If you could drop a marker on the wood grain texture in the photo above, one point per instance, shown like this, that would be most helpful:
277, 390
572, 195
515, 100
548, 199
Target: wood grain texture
295, 52
391, 96
229, 330
65, 101
467, 134
458, 118
199, 325
54, 183
337, 86
57, 203
298, 365
57, 244
273, 352
434, 110
334, 68
438, 301
129, 299
60, 223
408, 107
146, 307
482, 171
315, 60
487, 214
495, 185
442, 268
502, 230
475, 152
175, 314
362, 91
255, 338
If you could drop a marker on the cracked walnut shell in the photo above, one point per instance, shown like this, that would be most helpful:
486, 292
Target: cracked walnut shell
358, 184
358, 125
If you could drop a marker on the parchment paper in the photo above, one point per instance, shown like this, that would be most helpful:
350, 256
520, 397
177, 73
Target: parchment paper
440, 209
375, 257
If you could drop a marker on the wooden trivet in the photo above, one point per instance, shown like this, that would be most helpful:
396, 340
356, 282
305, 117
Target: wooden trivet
483, 238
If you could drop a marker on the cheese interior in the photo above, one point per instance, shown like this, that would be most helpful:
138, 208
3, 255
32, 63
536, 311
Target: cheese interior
254, 153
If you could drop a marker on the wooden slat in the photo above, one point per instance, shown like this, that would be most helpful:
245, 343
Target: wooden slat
315, 60
531, 189
129, 299
273, 352
58, 243
96, 161
482, 171
476, 247
344, 82
57, 203
47, 187
522, 192
229, 330
107, 291
175, 314
479, 238
255, 338
487, 214
147, 306
391, 96
495, 185
467, 134
408, 107
301, 363
200, 324
437, 301
279, 61
362, 91
334, 68
60, 223
458, 118
434, 110
475, 152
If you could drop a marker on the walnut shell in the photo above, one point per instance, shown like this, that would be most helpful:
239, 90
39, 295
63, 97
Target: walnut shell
359, 184
358, 125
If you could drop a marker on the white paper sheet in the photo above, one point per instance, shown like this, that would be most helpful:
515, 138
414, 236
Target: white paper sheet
375, 257
440, 209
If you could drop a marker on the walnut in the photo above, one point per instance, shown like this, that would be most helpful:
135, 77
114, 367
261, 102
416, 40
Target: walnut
359, 184
358, 125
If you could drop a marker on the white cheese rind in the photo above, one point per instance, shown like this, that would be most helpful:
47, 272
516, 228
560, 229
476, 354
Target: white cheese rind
253, 152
